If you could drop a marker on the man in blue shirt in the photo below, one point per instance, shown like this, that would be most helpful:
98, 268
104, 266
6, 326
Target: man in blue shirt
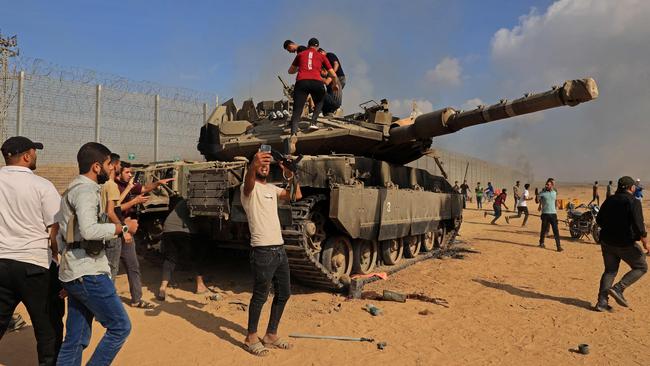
548, 206
638, 191
84, 271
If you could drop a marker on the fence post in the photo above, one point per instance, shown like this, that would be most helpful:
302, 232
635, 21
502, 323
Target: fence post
98, 112
156, 127
19, 111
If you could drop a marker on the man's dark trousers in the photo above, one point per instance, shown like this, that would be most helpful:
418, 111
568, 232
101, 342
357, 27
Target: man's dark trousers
270, 266
549, 220
29, 284
612, 256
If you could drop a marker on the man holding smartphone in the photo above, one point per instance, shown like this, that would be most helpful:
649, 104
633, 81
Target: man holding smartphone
269, 262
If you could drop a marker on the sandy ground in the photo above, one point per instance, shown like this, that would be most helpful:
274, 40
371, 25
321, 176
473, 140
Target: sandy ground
510, 303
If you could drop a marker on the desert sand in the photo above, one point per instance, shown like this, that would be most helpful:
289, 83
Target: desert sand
508, 303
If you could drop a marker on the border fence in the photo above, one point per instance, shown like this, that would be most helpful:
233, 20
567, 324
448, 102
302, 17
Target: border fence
144, 122
140, 121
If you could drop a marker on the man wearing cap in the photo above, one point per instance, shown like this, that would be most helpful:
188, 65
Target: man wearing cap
308, 65
28, 204
621, 222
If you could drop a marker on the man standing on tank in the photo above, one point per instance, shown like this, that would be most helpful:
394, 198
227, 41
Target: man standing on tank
336, 65
269, 262
308, 65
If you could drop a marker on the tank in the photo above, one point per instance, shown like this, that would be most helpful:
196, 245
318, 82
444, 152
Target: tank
363, 210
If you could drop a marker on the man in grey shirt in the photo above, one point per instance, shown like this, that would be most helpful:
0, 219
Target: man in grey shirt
84, 269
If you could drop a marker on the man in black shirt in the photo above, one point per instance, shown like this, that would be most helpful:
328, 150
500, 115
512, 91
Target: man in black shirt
336, 65
621, 220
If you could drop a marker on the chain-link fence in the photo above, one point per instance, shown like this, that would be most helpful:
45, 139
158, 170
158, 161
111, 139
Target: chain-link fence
64, 108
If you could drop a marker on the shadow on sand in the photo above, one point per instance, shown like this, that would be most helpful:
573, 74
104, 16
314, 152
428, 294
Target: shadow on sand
513, 290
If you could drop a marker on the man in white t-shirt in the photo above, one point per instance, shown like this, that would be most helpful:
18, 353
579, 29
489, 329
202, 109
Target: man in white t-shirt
28, 204
522, 207
269, 262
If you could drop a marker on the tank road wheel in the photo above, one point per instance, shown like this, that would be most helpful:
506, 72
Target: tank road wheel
337, 255
412, 246
427, 241
439, 236
365, 256
391, 251
315, 228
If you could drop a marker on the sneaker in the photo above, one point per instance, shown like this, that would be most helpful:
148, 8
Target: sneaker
618, 296
313, 127
507, 219
560, 249
541, 245
603, 307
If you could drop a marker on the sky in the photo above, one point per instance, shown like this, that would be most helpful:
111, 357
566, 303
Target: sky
437, 53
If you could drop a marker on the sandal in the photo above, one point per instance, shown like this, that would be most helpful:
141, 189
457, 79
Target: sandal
142, 305
279, 343
162, 294
256, 349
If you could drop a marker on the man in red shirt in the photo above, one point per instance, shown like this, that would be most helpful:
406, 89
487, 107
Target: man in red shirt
500, 200
308, 65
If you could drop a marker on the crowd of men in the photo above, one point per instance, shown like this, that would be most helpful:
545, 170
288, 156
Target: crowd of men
55, 247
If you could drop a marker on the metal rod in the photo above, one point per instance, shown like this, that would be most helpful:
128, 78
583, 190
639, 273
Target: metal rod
338, 338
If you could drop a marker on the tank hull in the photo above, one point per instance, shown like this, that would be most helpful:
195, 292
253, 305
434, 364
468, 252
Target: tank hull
358, 215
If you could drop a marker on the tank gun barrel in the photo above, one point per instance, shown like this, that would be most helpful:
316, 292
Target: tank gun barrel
448, 120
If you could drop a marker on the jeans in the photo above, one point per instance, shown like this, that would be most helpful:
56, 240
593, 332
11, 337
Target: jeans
29, 284
269, 265
479, 202
130, 259
93, 297
113, 251
496, 213
612, 256
549, 219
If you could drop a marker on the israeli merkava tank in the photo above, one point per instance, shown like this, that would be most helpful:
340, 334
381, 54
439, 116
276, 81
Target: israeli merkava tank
362, 209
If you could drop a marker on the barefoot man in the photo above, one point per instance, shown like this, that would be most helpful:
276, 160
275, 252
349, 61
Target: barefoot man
269, 262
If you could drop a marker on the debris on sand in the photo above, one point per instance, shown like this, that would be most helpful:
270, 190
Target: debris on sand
373, 310
422, 297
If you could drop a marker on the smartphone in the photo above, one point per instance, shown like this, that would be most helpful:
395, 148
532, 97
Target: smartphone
265, 148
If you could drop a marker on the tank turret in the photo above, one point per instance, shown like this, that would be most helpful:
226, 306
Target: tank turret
373, 133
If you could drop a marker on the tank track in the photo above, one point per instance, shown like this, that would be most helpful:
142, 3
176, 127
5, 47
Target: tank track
304, 262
